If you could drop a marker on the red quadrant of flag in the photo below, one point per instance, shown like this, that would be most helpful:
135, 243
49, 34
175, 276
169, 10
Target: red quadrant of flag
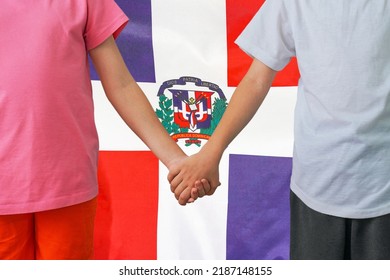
126, 222
239, 14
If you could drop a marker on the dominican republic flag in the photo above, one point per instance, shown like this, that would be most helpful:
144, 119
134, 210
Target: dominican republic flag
182, 54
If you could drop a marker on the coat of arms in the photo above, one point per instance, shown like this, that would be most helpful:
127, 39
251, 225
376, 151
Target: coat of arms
193, 111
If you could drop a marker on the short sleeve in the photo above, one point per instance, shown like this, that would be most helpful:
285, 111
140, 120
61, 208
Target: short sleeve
268, 36
104, 18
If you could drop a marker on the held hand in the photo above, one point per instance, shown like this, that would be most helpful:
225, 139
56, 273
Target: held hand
184, 174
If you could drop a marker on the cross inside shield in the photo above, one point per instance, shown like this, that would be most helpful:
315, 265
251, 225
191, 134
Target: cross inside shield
192, 109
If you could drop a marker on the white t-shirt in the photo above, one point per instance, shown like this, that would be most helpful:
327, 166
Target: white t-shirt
341, 161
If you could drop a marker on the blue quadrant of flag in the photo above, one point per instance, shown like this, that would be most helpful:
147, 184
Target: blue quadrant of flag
258, 207
135, 42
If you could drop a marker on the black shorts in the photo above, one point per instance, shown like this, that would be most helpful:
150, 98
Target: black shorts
318, 236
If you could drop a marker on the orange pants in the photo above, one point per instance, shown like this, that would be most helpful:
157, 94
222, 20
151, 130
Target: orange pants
59, 234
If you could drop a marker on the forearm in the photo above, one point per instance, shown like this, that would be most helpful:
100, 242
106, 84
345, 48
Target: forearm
243, 105
134, 108
131, 103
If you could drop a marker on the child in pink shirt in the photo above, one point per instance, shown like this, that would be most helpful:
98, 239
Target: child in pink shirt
48, 139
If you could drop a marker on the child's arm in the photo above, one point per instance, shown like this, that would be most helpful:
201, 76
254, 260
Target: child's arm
131, 103
244, 103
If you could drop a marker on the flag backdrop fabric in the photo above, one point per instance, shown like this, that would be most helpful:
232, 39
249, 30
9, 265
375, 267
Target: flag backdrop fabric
186, 48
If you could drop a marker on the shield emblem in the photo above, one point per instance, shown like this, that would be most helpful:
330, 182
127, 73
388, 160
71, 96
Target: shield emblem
192, 109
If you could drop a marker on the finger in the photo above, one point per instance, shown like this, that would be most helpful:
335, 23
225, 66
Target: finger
206, 185
175, 183
180, 189
213, 189
194, 194
184, 196
201, 188
172, 174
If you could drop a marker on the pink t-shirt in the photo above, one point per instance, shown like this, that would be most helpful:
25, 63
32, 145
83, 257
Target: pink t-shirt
48, 139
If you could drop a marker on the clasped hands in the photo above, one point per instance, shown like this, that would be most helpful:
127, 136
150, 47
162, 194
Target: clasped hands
193, 177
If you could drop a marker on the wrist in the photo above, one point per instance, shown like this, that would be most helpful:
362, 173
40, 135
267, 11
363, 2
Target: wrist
172, 159
213, 150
